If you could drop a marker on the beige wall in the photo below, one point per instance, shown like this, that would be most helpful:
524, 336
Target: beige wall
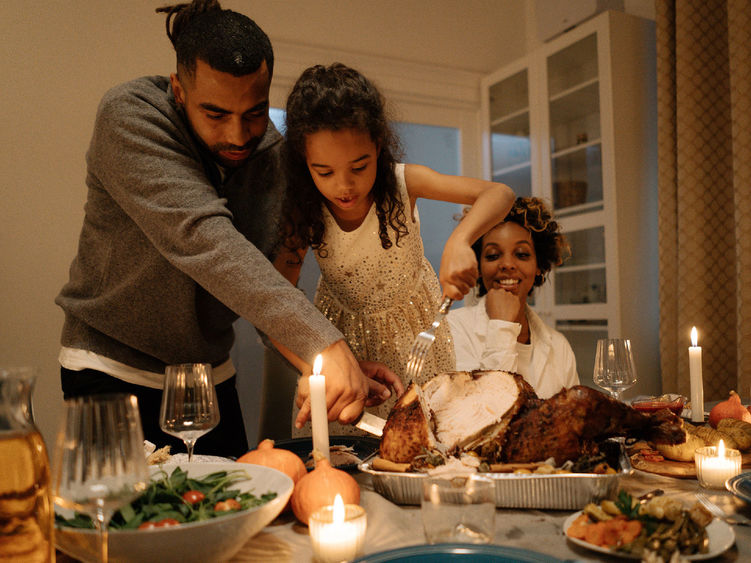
59, 56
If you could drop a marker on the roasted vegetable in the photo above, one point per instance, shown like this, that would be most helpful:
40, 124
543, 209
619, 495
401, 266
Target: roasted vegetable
660, 527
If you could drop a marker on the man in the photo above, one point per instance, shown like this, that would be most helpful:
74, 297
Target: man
184, 198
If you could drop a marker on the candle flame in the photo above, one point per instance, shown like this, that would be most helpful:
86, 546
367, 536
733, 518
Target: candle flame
694, 337
721, 449
317, 365
338, 513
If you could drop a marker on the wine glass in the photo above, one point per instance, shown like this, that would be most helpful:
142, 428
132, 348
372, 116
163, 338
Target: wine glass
100, 463
614, 368
189, 405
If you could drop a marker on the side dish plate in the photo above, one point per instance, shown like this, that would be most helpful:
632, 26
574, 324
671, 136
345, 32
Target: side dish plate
721, 538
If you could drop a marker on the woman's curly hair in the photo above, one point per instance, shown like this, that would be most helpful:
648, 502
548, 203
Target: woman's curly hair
333, 98
551, 247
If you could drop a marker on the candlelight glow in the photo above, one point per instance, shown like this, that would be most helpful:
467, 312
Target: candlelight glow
721, 449
694, 337
338, 514
319, 361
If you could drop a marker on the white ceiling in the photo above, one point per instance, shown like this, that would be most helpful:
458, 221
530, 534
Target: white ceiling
475, 35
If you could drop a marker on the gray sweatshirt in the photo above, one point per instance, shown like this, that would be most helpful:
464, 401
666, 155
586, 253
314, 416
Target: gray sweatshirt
169, 255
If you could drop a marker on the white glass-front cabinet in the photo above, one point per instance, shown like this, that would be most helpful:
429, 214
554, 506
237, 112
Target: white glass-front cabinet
575, 123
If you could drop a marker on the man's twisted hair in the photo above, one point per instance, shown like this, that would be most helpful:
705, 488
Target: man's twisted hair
228, 41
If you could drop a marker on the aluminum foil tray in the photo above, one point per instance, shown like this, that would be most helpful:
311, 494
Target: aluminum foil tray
564, 491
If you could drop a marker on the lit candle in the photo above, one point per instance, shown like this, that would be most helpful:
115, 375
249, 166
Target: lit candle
318, 411
337, 532
697, 385
714, 466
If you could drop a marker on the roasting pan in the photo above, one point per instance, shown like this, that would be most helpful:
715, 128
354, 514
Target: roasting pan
564, 491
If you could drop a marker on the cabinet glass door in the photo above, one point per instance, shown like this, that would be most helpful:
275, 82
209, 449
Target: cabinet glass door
583, 336
582, 277
509, 133
574, 116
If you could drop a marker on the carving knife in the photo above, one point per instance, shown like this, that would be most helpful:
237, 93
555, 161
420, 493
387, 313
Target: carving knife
370, 423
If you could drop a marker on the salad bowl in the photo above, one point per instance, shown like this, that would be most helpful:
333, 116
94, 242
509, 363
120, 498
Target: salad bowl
214, 539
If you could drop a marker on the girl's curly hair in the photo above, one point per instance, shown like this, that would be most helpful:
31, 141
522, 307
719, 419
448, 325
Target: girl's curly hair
551, 247
332, 98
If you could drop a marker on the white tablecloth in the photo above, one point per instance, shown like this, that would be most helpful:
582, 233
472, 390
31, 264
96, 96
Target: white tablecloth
392, 526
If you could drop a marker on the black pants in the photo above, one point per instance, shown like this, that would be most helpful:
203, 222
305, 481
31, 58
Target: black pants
228, 439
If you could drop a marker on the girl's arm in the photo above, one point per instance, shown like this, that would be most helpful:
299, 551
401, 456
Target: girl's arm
490, 203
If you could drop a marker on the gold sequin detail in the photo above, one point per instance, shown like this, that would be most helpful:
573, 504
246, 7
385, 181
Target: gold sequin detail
393, 295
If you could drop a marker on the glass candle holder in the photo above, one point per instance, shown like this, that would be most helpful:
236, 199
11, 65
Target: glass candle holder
338, 536
712, 470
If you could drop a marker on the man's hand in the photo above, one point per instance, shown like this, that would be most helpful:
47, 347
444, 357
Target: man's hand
347, 388
380, 378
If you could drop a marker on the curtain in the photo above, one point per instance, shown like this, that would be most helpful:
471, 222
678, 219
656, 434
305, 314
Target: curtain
704, 191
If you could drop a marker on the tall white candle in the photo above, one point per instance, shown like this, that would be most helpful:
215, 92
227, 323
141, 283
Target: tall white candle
697, 385
318, 411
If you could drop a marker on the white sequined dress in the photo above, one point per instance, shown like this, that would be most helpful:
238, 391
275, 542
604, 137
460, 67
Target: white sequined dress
381, 298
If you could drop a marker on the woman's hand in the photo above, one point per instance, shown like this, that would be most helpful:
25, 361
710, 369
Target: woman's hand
503, 305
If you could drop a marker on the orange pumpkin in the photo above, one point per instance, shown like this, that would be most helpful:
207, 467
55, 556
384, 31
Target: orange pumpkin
320, 487
276, 458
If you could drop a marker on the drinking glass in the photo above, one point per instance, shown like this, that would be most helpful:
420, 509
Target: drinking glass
100, 463
458, 509
614, 368
189, 405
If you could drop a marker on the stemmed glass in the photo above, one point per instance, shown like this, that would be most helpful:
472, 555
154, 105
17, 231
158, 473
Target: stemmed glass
100, 463
614, 368
189, 405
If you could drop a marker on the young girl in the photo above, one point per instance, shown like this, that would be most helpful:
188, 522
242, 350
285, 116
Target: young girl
354, 205
501, 331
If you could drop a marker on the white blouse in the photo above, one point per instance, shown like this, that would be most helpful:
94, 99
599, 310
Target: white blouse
547, 363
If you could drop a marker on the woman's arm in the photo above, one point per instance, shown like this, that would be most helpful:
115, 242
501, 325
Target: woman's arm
490, 203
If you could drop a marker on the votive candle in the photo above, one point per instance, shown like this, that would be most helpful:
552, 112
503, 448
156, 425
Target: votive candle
318, 411
697, 384
337, 532
715, 465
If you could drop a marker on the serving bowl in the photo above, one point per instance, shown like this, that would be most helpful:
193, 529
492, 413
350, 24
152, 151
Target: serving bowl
216, 539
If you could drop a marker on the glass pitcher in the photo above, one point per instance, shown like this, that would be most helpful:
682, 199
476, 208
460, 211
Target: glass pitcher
26, 512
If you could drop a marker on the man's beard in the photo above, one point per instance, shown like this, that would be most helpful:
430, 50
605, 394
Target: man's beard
219, 147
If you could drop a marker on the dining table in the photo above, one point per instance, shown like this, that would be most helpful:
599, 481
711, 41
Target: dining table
392, 526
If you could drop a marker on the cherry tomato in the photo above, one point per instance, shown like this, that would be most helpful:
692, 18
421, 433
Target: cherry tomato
147, 526
225, 505
166, 523
192, 497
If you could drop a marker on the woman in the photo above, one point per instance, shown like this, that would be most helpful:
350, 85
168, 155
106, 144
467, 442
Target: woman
501, 331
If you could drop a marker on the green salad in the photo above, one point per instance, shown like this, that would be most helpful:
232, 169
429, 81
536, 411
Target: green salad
175, 498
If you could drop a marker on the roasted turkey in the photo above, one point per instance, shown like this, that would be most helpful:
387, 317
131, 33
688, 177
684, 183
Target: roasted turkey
497, 415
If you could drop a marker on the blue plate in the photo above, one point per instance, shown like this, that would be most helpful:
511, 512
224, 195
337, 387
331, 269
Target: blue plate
740, 486
453, 551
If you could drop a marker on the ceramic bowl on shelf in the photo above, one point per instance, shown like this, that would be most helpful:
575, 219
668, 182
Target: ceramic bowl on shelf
216, 539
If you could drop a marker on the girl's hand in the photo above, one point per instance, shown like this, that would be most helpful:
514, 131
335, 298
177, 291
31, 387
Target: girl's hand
458, 273
381, 378
503, 305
